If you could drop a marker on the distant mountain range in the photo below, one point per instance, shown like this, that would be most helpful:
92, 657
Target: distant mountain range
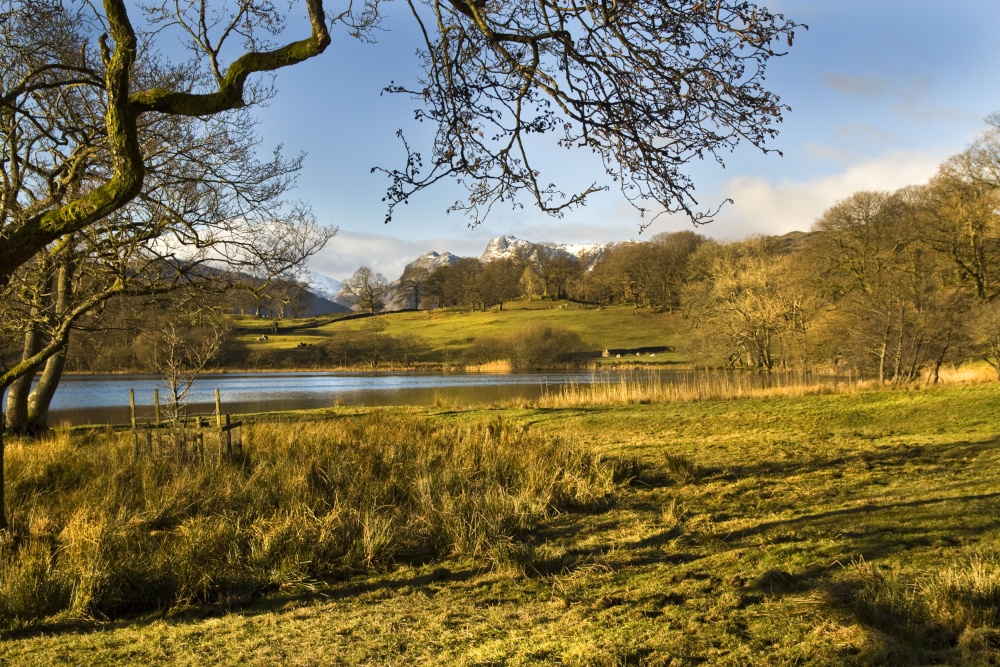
510, 247
332, 290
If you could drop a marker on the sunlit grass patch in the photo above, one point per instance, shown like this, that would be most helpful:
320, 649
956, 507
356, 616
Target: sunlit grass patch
823, 529
96, 533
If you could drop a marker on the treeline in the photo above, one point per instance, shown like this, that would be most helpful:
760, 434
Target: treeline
889, 285
647, 274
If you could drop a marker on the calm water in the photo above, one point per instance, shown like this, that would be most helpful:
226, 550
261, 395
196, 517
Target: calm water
103, 399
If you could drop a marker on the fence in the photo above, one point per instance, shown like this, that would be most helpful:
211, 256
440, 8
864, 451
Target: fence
191, 439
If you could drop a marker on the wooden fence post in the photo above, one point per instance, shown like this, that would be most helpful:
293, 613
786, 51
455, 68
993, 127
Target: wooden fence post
229, 439
156, 406
131, 405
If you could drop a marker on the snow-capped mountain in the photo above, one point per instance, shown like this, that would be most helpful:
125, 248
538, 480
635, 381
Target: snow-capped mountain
398, 296
431, 260
324, 286
506, 247
326, 291
512, 247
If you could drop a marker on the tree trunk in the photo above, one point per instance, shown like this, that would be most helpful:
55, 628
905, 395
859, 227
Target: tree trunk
3, 502
17, 396
41, 396
881, 360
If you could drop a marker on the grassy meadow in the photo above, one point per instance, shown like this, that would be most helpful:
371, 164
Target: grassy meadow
442, 336
775, 528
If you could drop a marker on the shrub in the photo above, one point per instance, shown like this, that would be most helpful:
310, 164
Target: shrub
535, 347
542, 346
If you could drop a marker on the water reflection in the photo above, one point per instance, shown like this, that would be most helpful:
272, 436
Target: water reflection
103, 399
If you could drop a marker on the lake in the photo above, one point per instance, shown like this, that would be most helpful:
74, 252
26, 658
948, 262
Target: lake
103, 399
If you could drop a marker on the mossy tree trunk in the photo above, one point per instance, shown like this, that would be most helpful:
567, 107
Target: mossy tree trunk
124, 109
3, 475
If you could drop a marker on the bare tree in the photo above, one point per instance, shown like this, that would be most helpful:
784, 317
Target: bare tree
412, 282
883, 282
648, 86
986, 332
963, 199
367, 288
500, 282
742, 310
180, 356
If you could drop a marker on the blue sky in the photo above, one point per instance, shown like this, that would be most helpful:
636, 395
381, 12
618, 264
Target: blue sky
881, 92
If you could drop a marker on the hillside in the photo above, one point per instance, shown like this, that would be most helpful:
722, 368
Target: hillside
442, 336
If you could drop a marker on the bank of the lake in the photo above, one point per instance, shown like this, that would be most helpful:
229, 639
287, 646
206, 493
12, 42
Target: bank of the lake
105, 399
858, 528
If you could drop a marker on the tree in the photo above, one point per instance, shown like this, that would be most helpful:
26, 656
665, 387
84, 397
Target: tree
648, 86
373, 343
555, 267
461, 286
500, 281
367, 288
111, 75
890, 310
180, 356
743, 309
412, 282
963, 199
986, 333
671, 254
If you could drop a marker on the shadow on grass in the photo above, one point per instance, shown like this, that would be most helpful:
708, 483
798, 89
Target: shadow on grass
888, 458
872, 530
326, 590
868, 509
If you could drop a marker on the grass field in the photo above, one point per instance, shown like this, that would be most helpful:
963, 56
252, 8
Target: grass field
444, 335
860, 528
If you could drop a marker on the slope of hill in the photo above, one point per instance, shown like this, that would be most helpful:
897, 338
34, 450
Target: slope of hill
443, 336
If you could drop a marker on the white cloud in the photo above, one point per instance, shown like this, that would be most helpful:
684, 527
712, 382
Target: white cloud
385, 254
764, 207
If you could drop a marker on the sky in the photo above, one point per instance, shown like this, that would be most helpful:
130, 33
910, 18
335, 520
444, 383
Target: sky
881, 92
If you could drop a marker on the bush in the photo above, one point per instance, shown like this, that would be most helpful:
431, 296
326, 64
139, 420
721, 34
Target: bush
535, 347
543, 346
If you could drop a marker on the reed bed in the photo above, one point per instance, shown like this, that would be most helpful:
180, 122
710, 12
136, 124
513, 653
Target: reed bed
499, 366
695, 386
96, 533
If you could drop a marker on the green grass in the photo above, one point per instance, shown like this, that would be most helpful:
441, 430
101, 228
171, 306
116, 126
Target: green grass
445, 334
838, 529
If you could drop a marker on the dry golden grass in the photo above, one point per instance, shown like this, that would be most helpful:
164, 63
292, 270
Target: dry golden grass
858, 528
696, 386
96, 533
500, 366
